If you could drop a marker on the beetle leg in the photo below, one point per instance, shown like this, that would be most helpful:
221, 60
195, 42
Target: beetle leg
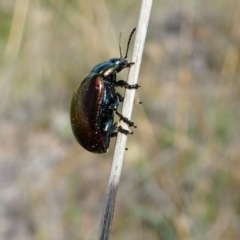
126, 120
121, 130
120, 97
114, 134
124, 84
113, 129
114, 100
124, 131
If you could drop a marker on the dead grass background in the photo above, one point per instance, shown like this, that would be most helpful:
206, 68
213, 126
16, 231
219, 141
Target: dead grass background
182, 170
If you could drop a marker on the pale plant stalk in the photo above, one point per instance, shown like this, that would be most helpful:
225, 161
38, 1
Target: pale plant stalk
117, 163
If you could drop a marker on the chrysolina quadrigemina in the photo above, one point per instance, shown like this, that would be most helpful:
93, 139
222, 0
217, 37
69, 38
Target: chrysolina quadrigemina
95, 101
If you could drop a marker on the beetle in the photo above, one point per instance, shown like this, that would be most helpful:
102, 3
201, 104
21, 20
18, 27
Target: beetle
95, 101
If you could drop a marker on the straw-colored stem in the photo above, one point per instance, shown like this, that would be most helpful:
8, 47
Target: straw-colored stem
116, 168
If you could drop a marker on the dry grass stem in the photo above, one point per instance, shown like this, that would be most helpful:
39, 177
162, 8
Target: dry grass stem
127, 110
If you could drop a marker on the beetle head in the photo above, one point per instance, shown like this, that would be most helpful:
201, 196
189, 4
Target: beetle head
121, 62
116, 64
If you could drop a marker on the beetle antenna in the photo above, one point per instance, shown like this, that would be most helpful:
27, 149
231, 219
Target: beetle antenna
119, 42
129, 40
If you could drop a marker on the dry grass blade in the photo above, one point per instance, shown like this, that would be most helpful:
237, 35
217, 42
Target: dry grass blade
127, 110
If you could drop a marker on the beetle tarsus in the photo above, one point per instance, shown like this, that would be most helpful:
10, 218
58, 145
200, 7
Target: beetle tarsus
126, 120
120, 97
114, 134
124, 131
121, 130
124, 84
133, 86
